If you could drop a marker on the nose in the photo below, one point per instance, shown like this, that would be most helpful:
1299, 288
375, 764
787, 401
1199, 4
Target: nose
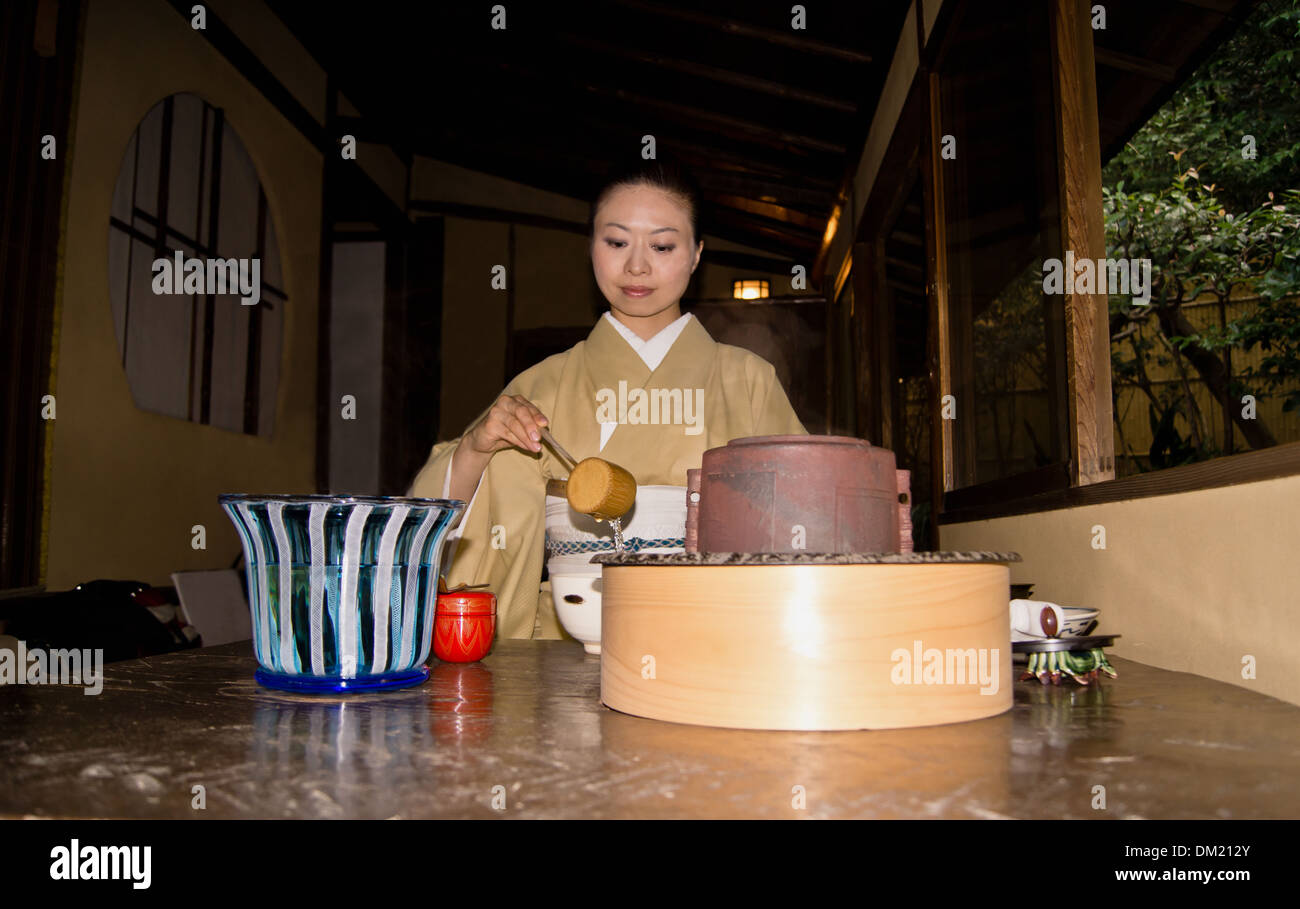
638, 263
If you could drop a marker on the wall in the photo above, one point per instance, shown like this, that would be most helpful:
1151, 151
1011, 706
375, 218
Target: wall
356, 366
126, 486
473, 322
1193, 581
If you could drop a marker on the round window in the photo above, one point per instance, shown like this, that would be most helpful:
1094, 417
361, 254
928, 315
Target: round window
194, 269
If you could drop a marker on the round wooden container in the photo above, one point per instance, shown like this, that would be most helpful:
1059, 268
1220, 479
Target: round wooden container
807, 641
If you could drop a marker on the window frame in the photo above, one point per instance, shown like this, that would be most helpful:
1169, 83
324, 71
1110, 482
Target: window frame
1089, 477
1090, 453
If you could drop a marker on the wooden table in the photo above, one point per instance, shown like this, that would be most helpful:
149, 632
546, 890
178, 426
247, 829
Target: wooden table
525, 729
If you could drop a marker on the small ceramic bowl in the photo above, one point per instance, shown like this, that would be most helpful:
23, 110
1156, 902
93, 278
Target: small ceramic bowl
577, 604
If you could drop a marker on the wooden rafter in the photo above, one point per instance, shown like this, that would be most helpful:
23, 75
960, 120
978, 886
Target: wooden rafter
684, 114
769, 210
732, 26
1131, 63
714, 73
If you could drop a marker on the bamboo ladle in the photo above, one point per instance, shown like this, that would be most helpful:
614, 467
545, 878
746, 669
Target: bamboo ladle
596, 487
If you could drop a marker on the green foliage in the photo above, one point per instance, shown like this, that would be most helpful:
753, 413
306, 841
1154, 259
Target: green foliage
1213, 222
1196, 246
1247, 88
1274, 324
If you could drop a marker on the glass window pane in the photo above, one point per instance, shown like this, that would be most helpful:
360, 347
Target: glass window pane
229, 363
157, 340
147, 166
237, 232
183, 181
1002, 221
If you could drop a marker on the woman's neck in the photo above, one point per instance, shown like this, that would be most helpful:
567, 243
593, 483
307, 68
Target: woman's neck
646, 327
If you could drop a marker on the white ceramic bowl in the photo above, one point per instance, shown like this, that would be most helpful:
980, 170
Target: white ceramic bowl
577, 604
659, 514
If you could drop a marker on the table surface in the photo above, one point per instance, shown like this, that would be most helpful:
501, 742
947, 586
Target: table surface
523, 734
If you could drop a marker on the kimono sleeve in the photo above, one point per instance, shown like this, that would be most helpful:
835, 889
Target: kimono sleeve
498, 541
773, 413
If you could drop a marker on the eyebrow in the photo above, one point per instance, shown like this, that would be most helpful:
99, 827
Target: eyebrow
657, 230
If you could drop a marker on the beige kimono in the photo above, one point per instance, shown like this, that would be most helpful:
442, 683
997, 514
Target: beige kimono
702, 395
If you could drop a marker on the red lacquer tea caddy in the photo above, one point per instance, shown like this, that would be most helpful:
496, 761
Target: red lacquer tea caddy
464, 625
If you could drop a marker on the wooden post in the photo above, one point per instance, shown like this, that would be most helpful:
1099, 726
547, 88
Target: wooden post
942, 435
866, 340
1087, 319
828, 349
512, 276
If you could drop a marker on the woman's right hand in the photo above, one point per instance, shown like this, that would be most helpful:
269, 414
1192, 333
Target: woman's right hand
512, 421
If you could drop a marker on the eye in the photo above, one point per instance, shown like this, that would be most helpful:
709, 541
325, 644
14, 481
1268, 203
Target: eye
616, 244
665, 249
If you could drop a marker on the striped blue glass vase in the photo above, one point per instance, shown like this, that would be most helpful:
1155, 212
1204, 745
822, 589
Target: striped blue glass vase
342, 589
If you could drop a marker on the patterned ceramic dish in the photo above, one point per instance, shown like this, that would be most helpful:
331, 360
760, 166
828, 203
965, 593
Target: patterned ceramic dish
342, 589
1035, 619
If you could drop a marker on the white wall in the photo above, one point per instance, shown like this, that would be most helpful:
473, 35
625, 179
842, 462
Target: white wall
1194, 582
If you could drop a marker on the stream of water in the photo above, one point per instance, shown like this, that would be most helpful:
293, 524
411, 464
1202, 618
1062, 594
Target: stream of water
616, 526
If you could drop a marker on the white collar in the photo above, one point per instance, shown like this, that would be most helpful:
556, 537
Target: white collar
653, 350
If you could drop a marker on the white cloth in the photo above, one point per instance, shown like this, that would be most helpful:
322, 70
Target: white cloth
651, 351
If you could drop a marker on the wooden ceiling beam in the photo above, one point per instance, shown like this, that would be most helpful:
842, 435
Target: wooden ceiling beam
905, 286
471, 149
1130, 63
788, 181
895, 262
769, 210
685, 114
732, 26
794, 232
520, 166
1223, 7
704, 157
764, 190
715, 74
788, 238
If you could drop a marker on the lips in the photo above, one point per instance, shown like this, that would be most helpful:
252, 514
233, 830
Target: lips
633, 290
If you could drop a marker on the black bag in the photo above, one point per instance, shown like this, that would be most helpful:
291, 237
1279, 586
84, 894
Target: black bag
112, 616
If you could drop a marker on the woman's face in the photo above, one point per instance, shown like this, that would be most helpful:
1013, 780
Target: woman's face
643, 241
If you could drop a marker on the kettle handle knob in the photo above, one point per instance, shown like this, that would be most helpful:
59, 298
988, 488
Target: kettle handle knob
693, 510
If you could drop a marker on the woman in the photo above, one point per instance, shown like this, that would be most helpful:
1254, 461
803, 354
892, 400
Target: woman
648, 390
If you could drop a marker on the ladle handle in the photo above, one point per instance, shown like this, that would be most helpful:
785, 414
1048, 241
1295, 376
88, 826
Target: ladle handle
558, 448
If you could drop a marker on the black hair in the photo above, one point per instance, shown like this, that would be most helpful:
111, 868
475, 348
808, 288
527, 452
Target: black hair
664, 174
